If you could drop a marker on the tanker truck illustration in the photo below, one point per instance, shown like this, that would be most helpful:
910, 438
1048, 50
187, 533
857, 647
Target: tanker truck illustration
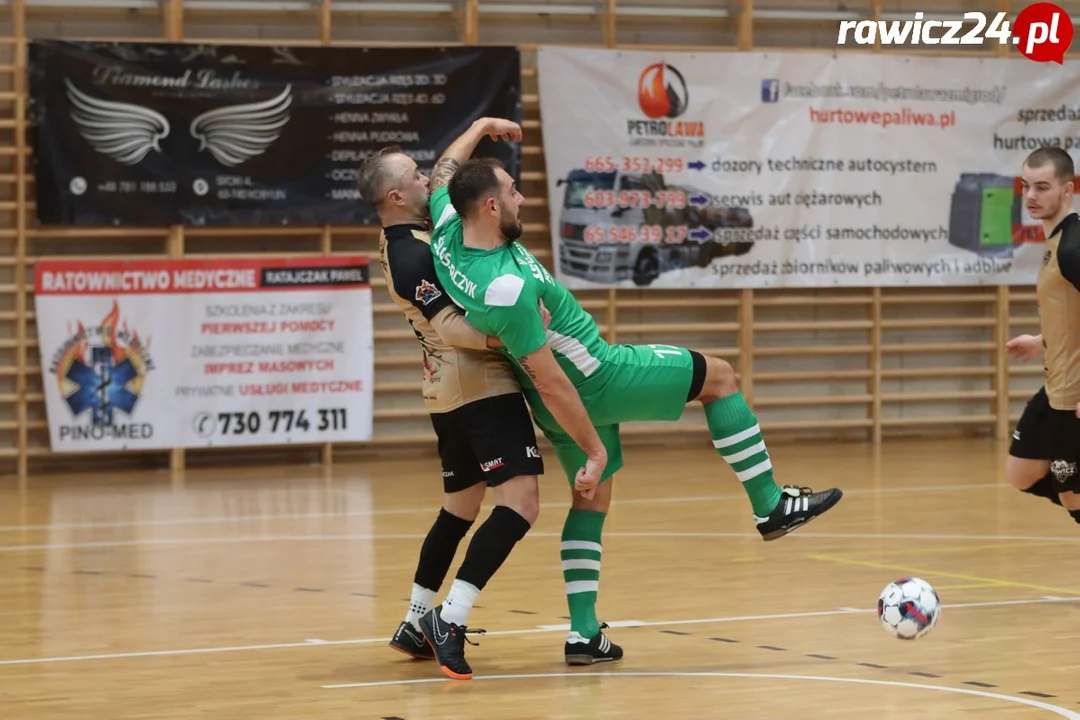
608, 235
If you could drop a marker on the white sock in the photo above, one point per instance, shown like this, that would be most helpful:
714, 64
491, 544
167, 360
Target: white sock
419, 604
459, 602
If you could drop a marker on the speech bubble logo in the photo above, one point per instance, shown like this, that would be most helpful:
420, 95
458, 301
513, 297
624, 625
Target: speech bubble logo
1043, 32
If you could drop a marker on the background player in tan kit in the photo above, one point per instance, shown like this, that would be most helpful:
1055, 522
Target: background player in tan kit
485, 432
1046, 444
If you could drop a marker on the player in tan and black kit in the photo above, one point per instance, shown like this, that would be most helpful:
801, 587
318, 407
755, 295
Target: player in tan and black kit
1046, 444
485, 433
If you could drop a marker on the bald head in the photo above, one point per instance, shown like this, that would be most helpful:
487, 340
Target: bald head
391, 183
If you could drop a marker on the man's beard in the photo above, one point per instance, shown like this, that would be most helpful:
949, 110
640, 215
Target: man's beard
423, 212
511, 231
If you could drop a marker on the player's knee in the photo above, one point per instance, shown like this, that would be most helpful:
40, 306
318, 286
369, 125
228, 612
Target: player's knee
719, 380
465, 504
522, 495
1023, 473
1070, 501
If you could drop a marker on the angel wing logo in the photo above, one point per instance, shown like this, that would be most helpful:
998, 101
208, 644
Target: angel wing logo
237, 133
124, 132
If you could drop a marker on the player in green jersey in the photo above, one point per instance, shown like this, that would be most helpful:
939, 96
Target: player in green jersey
579, 387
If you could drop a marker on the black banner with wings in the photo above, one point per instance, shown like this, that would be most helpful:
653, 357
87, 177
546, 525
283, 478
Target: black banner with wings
153, 134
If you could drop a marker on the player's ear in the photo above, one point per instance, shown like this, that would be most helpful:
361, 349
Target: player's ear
491, 206
395, 198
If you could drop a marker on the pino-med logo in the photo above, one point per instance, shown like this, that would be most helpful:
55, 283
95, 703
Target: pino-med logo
100, 371
1042, 32
662, 97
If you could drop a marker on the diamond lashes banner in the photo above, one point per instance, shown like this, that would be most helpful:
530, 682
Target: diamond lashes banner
159, 134
735, 170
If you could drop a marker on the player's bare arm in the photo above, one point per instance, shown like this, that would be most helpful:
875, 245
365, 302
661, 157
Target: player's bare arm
456, 331
462, 149
562, 399
1025, 347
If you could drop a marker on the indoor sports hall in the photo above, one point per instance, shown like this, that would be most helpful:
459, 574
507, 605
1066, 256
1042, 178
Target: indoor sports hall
192, 530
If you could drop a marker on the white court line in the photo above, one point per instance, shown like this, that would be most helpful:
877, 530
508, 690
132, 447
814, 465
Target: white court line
166, 522
527, 631
1059, 711
800, 535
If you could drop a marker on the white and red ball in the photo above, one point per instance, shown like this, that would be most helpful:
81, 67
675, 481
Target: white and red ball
909, 608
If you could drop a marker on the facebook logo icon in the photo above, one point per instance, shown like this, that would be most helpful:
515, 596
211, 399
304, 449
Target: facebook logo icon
770, 90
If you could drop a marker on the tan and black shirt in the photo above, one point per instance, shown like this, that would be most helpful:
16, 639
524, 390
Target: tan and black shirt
1058, 293
458, 367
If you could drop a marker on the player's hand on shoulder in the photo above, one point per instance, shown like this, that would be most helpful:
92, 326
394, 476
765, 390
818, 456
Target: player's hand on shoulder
545, 315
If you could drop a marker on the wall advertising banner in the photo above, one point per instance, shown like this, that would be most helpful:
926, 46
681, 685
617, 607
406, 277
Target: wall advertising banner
735, 170
152, 354
158, 134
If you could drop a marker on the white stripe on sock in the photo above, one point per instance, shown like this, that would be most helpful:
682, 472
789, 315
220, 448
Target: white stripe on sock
581, 565
582, 545
751, 473
736, 438
748, 452
582, 586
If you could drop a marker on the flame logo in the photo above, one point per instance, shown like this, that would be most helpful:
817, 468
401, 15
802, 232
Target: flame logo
662, 91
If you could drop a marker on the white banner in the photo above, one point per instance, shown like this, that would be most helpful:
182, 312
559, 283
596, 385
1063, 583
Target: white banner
153, 354
734, 170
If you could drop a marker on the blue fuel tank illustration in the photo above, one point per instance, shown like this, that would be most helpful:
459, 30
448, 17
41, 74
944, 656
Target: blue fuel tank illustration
985, 207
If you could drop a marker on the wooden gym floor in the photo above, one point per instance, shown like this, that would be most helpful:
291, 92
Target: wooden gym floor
252, 596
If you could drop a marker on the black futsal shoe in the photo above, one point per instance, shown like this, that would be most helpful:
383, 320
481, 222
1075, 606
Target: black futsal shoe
411, 641
797, 506
598, 649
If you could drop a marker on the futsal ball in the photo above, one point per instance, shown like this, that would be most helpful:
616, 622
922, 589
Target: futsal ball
908, 608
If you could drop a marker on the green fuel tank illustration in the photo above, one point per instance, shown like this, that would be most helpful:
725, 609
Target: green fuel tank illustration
985, 209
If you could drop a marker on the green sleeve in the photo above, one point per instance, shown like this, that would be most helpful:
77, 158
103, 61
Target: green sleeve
439, 204
519, 326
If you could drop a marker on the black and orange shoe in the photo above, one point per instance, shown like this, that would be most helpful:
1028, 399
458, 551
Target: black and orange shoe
448, 641
411, 641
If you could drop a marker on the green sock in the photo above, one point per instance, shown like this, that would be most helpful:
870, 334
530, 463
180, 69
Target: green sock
581, 551
737, 438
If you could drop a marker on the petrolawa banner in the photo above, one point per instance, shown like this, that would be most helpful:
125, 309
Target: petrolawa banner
735, 170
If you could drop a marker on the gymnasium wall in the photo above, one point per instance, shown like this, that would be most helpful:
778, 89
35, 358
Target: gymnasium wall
867, 364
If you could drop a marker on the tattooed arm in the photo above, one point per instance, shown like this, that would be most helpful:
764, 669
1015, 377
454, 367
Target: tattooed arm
520, 322
462, 149
564, 403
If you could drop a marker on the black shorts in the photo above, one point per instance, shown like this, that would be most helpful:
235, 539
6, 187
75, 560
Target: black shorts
491, 441
1044, 433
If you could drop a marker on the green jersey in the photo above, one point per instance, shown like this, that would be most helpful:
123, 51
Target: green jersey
500, 291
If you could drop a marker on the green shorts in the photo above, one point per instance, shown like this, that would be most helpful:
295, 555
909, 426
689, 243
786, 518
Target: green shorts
634, 383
